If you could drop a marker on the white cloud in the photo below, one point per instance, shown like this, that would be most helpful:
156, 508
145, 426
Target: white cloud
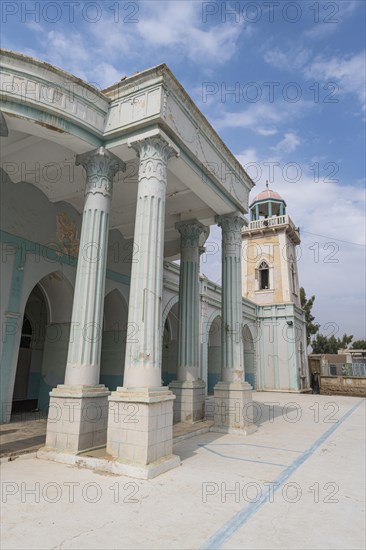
250, 161
332, 16
169, 29
60, 45
255, 115
177, 24
290, 60
263, 118
289, 143
247, 156
163, 30
105, 75
266, 131
347, 71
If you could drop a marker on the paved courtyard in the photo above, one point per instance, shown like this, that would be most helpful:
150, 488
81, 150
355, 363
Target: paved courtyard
298, 482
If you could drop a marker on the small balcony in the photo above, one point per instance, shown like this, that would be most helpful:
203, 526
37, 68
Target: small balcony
273, 222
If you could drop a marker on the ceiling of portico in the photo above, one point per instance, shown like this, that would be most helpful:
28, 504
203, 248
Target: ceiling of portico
45, 158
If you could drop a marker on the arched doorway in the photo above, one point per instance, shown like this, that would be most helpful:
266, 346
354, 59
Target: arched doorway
23, 366
214, 355
170, 346
30, 356
114, 340
249, 357
58, 293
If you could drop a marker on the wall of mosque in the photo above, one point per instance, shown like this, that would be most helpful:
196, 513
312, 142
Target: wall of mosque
281, 353
40, 261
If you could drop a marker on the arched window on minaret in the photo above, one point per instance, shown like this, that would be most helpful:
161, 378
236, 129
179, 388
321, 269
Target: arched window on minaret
263, 276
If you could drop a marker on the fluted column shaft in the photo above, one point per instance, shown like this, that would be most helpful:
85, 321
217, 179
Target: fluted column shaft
189, 300
83, 362
232, 358
143, 349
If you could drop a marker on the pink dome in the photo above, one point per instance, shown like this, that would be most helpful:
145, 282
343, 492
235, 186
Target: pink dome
267, 194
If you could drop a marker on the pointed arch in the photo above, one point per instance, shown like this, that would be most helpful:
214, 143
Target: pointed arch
114, 337
38, 369
263, 275
169, 306
170, 341
214, 352
249, 356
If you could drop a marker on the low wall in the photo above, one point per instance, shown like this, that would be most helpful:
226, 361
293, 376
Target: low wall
343, 385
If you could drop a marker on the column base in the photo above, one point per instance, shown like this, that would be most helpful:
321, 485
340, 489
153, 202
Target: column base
77, 418
233, 411
280, 390
111, 465
140, 429
189, 405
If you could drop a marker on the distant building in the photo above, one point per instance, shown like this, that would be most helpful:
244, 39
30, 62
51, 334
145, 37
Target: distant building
340, 373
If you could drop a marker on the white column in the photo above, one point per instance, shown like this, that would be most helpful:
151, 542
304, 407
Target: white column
233, 396
78, 413
143, 350
232, 359
83, 362
189, 389
143, 441
189, 299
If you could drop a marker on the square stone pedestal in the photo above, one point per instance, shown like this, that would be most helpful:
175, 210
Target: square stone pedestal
189, 405
140, 430
233, 410
77, 418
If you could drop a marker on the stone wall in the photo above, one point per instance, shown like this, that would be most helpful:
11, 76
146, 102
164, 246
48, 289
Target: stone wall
343, 385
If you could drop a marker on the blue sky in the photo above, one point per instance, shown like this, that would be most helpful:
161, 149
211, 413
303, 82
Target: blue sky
296, 114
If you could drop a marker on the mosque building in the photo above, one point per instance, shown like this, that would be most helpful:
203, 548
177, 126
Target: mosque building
100, 192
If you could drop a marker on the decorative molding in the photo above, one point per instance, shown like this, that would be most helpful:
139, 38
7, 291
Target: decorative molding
53, 90
154, 153
190, 232
231, 225
101, 166
67, 235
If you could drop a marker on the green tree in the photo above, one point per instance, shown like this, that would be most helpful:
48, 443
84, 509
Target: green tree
330, 344
359, 344
307, 305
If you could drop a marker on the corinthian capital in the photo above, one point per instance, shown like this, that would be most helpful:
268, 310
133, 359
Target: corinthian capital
191, 231
230, 222
154, 148
231, 225
101, 166
154, 153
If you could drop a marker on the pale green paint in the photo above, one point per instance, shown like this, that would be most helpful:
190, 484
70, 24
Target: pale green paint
51, 254
12, 325
64, 126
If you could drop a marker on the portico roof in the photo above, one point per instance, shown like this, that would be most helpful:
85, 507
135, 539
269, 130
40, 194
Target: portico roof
52, 116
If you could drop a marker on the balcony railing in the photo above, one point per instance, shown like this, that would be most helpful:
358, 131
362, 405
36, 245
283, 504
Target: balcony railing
269, 222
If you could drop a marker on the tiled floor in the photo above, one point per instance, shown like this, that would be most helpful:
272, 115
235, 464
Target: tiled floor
27, 433
296, 483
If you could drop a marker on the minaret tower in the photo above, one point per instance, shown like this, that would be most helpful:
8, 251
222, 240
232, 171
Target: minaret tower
270, 280
269, 252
